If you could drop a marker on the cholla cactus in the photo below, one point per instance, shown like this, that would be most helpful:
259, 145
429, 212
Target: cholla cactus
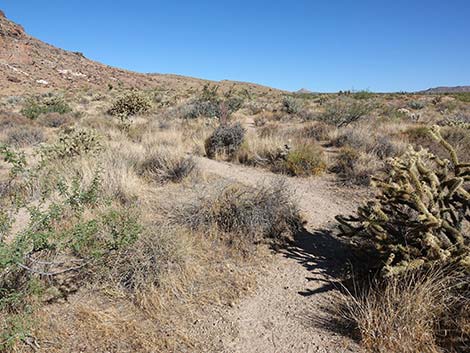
130, 104
421, 214
71, 143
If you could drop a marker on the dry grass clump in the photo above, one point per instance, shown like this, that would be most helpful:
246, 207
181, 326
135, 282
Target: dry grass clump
304, 158
317, 130
362, 139
24, 136
403, 314
356, 167
10, 119
254, 213
163, 164
458, 137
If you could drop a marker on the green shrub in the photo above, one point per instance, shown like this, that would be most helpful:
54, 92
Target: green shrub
292, 105
34, 107
463, 97
421, 214
363, 95
304, 160
416, 105
129, 104
226, 140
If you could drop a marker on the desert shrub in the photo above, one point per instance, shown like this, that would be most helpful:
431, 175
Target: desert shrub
72, 142
363, 95
457, 136
250, 212
129, 104
156, 252
404, 314
361, 139
416, 105
355, 167
55, 119
163, 164
10, 119
316, 130
463, 97
24, 136
344, 111
34, 107
303, 160
225, 140
292, 105
209, 104
260, 121
420, 215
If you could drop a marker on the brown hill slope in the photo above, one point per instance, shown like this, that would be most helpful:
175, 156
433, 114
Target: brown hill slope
30, 65
456, 89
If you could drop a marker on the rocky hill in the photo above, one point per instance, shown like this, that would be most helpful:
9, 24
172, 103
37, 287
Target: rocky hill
28, 64
456, 89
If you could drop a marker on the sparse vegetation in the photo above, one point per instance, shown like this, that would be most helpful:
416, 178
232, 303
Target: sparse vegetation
130, 214
35, 107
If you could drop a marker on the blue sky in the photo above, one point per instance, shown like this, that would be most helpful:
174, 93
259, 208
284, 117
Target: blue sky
379, 45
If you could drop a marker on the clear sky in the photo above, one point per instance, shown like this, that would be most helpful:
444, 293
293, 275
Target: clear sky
379, 45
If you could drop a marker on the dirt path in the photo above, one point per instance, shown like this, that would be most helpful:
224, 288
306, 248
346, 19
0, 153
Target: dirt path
286, 312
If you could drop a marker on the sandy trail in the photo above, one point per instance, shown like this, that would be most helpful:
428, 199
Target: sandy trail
284, 312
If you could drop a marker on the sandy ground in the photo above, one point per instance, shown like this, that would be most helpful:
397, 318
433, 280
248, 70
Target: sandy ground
286, 313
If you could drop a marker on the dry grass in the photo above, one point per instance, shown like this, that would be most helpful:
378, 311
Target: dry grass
403, 314
163, 164
24, 136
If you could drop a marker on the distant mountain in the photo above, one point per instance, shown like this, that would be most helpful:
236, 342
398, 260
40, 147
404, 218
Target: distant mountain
456, 89
303, 91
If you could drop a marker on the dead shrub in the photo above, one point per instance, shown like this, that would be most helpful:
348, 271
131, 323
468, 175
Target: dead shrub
55, 120
225, 140
254, 213
10, 119
24, 136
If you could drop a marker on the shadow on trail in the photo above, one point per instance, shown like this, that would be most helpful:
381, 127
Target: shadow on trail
322, 254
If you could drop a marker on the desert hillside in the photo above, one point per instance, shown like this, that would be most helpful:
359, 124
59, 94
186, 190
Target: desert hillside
157, 213
27, 63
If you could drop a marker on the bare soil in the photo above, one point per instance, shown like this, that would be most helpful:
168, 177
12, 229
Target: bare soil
288, 310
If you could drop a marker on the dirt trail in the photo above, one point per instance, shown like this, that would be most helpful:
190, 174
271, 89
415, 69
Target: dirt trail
286, 312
